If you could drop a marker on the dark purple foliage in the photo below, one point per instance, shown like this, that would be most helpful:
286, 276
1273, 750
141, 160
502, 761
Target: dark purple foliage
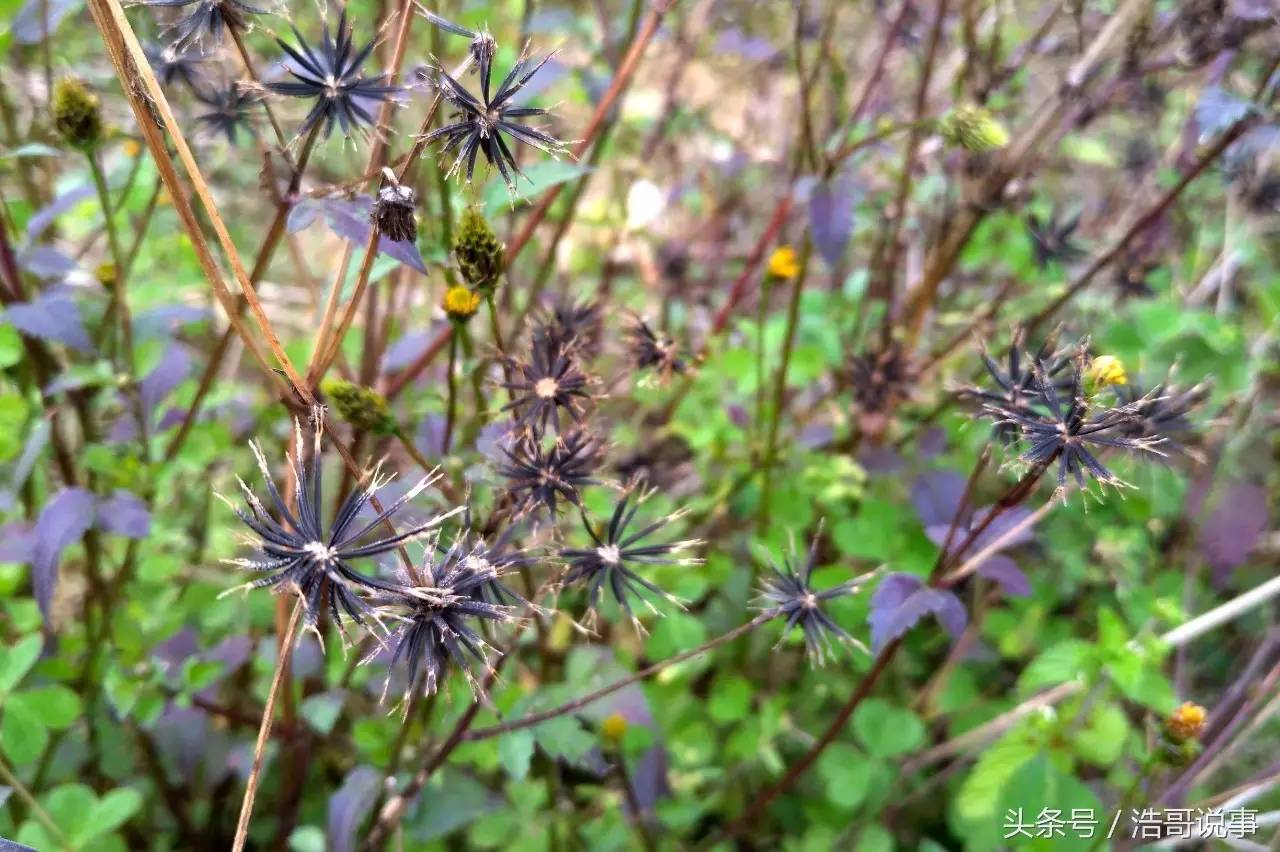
1232, 530
936, 496
124, 514
38, 19
350, 805
831, 206
63, 520
51, 316
1218, 109
901, 600
37, 224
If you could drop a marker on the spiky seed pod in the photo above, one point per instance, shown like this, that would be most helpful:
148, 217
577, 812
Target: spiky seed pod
460, 304
650, 349
362, 407
230, 111
77, 113
789, 594
296, 552
393, 210
974, 129
610, 565
481, 256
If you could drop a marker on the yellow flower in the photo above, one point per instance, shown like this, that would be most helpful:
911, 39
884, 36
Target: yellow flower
1106, 370
131, 148
1186, 723
614, 727
783, 263
460, 303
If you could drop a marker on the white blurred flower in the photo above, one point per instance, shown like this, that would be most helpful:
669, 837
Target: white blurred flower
645, 204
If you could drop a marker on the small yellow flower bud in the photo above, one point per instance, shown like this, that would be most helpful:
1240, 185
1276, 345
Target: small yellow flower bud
1186, 723
1106, 370
364, 408
131, 148
106, 274
784, 263
974, 129
77, 113
460, 303
613, 728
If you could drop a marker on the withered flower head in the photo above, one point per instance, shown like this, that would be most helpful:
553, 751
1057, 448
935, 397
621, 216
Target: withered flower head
330, 75
230, 111
480, 124
206, 18
439, 616
393, 210
1063, 423
788, 593
296, 552
648, 349
1015, 381
539, 474
548, 385
1052, 239
610, 564
171, 63
571, 322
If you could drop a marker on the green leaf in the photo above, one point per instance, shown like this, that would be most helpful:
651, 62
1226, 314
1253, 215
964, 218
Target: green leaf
322, 711
307, 838
1059, 663
847, 773
515, 751
537, 178
22, 733
1102, 738
56, 706
886, 730
71, 807
1038, 786
564, 737
17, 660
730, 699
980, 793
10, 346
114, 810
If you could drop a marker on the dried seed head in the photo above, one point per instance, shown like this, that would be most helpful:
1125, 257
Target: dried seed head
362, 407
479, 252
393, 211
77, 113
975, 129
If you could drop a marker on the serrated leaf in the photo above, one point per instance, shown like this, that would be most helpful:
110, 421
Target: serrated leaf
979, 795
1059, 663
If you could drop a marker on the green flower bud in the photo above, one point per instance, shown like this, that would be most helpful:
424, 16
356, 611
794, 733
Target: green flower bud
974, 129
479, 252
364, 408
77, 113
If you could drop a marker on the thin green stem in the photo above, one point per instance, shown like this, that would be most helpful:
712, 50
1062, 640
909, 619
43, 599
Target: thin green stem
451, 406
780, 383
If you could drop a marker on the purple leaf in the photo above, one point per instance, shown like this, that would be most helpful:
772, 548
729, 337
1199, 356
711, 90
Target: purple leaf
750, 48
52, 316
1255, 10
124, 514
831, 206
37, 19
37, 224
880, 460
406, 350
901, 600
303, 214
932, 443
430, 437
1006, 573
164, 320
173, 369
350, 805
17, 542
936, 496
63, 520
46, 262
1005, 522
1233, 529
1218, 109
350, 220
